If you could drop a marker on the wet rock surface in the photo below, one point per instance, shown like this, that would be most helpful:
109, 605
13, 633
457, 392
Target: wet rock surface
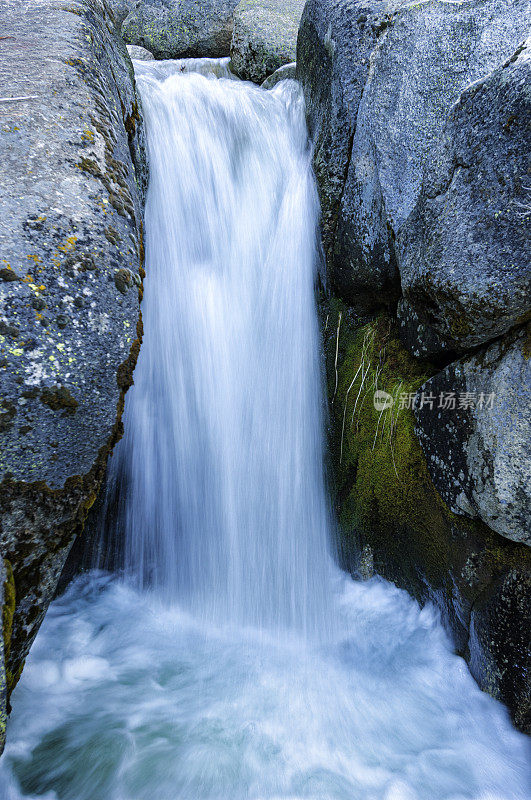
264, 37
465, 251
394, 522
474, 427
287, 72
500, 632
3, 676
180, 28
71, 192
333, 50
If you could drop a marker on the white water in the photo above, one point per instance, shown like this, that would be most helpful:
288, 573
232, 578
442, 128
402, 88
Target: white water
226, 510
234, 662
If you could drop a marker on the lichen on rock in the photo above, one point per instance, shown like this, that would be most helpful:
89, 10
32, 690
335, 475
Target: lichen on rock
72, 186
380, 80
178, 28
264, 37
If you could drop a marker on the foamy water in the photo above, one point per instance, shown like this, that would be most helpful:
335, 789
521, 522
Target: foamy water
128, 698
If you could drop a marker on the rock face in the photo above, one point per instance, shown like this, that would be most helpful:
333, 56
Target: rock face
380, 80
180, 28
71, 192
477, 445
393, 520
500, 632
264, 37
334, 45
140, 53
465, 252
120, 9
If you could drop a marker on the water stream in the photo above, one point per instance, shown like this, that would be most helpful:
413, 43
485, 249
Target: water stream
226, 511
232, 660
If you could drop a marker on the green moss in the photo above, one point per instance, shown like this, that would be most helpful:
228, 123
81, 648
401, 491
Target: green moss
384, 495
7, 680
8, 609
91, 166
131, 120
8, 613
459, 326
392, 520
527, 343
383, 484
59, 398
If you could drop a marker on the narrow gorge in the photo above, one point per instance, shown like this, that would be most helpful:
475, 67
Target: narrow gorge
265, 431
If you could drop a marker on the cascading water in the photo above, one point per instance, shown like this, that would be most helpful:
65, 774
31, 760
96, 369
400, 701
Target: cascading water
226, 510
234, 662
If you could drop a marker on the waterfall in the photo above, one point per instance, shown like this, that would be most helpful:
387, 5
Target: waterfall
226, 508
234, 662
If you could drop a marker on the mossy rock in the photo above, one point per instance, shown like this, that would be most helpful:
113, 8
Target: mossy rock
264, 37
179, 28
7, 599
390, 514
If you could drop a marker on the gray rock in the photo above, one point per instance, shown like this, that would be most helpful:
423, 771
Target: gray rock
287, 72
71, 192
333, 51
419, 336
380, 80
465, 252
139, 53
181, 28
120, 9
264, 37
500, 633
479, 455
